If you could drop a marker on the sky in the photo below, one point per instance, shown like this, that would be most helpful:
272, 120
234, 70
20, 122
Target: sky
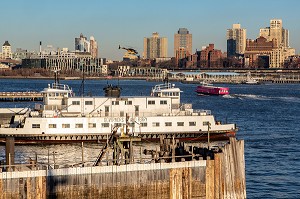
24, 23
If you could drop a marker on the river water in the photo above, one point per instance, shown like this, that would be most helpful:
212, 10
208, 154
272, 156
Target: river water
267, 115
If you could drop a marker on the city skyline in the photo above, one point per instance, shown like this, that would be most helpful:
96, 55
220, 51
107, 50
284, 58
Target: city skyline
113, 23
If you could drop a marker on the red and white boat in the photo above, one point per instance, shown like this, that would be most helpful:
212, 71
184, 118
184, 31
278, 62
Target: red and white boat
209, 89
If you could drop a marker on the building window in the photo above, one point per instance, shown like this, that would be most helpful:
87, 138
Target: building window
88, 102
105, 125
168, 124
151, 102
92, 125
163, 101
36, 126
79, 125
65, 126
180, 123
128, 102
75, 102
155, 124
143, 124
192, 123
52, 126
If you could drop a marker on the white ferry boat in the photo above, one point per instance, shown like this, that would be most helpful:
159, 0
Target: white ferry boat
64, 117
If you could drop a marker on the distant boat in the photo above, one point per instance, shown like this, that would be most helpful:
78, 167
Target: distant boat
250, 80
209, 89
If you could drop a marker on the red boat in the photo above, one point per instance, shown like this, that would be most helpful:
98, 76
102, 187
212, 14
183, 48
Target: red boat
209, 89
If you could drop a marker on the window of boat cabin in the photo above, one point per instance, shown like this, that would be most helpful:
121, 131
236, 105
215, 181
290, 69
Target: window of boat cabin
144, 124
168, 123
36, 126
180, 123
155, 124
118, 124
115, 102
52, 126
163, 102
75, 102
92, 125
65, 126
106, 109
88, 102
79, 125
151, 102
121, 113
105, 125
131, 124
192, 123
128, 102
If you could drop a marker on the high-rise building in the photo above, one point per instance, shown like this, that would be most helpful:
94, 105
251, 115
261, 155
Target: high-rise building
93, 47
6, 51
236, 40
182, 44
276, 31
82, 44
155, 47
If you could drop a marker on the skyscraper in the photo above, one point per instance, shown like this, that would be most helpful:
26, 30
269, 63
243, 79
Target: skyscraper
182, 44
276, 31
93, 47
155, 47
236, 40
82, 44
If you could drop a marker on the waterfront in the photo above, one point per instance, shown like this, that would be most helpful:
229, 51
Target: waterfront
267, 116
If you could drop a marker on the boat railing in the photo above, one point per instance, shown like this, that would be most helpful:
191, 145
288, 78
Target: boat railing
163, 86
202, 111
60, 86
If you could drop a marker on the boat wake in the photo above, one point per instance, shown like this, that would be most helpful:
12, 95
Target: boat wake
262, 97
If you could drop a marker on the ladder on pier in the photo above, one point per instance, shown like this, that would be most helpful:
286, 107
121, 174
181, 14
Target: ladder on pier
104, 149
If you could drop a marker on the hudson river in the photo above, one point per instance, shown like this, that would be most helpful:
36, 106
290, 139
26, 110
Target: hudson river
267, 115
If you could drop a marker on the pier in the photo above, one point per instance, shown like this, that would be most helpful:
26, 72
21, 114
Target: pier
220, 174
20, 96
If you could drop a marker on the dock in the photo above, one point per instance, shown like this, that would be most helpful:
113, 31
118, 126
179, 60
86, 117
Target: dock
21, 96
220, 174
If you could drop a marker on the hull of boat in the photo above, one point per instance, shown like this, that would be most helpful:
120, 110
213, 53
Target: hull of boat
208, 90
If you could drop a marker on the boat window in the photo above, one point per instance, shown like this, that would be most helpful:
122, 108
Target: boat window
118, 124
168, 124
79, 125
52, 126
155, 124
128, 102
131, 124
105, 125
65, 126
180, 123
75, 102
163, 101
192, 123
88, 102
151, 102
92, 125
115, 102
144, 124
36, 126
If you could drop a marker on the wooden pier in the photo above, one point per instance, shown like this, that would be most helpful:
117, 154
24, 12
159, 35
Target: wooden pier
20, 96
218, 176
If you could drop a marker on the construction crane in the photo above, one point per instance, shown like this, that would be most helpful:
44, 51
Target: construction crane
131, 54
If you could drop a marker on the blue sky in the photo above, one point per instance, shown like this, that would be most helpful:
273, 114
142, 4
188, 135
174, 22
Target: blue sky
118, 22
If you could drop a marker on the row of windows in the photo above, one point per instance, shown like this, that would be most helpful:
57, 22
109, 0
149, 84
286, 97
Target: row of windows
91, 102
118, 103
105, 125
152, 102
